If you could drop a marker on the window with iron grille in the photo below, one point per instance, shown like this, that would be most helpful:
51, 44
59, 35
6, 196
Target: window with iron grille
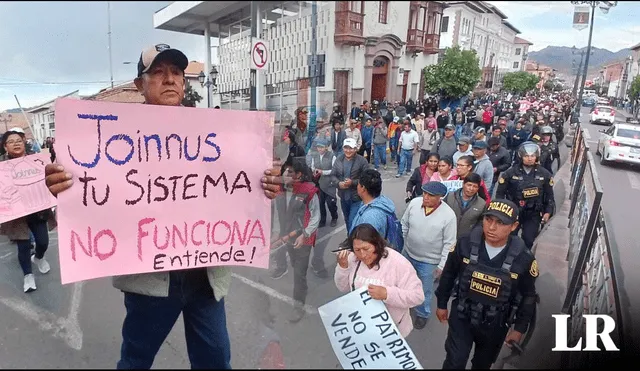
382, 14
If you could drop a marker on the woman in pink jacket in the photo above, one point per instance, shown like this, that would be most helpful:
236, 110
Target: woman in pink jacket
389, 276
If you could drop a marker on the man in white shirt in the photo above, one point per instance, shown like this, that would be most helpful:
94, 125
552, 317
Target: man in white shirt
353, 132
464, 149
409, 142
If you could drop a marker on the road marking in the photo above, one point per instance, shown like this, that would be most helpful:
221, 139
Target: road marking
323, 238
273, 293
65, 328
634, 180
7, 255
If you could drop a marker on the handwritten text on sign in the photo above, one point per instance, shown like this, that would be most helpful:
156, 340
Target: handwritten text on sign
160, 188
363, 334
22, 187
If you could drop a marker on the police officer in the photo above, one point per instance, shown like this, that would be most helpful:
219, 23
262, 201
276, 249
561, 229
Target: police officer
530, 186
496, 289
549, 151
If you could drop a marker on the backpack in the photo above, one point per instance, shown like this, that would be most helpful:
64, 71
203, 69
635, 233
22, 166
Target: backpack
394, 232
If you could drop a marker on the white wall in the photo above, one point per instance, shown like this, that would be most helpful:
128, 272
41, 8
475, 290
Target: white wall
397, 19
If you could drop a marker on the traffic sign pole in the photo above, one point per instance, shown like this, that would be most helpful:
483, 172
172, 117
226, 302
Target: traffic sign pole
253, 91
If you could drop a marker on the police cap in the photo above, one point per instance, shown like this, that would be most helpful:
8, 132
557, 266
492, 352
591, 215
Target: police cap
504, 210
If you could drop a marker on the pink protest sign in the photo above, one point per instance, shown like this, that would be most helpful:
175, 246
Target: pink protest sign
22, 187
160, 188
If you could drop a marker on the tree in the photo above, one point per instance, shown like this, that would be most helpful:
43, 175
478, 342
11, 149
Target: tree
634, 90
191, 97
455, 76
519, 82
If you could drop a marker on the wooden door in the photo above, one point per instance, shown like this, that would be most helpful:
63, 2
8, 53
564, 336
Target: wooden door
405, 82
341, 84
379, 87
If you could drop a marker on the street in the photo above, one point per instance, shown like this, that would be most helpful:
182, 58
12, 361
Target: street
79, 325
621, 185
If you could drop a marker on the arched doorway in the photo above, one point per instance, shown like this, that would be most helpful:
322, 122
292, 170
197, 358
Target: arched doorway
379, 78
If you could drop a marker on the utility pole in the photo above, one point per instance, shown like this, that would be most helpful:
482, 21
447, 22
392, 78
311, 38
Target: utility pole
575, 84
605, 6
109, 36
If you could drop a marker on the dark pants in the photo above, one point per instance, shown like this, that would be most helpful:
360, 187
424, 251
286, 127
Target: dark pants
300, 263
317, 260
349, 211
530, 225
366, 148
424, 154
150, 319
331, 202
40, 233
462, 336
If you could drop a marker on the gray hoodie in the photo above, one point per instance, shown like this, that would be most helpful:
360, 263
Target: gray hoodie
484, 168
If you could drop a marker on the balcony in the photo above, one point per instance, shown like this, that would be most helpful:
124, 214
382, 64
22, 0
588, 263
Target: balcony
415, 41
431, 43
349, 28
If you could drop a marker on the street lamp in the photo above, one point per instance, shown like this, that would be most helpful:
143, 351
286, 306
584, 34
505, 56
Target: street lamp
209, 82
604, 6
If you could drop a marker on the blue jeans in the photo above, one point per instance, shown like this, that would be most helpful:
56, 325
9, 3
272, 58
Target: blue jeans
425, 273
150, 319
379, 154
406, 157
393, 148
39, 233
349, 211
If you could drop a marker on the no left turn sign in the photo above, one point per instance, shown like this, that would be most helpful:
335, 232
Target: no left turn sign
259, 55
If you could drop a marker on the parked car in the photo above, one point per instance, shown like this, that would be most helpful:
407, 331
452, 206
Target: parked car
632, 120
619, 143
603, 115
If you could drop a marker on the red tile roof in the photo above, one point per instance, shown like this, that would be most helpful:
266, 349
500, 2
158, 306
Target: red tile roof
519, 40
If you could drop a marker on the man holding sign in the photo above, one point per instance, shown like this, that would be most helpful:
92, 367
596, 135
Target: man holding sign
155, 300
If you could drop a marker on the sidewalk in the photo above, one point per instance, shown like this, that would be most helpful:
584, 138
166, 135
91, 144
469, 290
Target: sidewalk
551, 249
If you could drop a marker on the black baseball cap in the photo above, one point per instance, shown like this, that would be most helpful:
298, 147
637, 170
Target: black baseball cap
159, 53
504, 210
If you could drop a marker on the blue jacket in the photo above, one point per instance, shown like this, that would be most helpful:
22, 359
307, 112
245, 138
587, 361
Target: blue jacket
367, 135
375, 213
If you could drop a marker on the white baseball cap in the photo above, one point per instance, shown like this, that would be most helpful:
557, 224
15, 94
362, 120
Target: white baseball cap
17, 130
350, 142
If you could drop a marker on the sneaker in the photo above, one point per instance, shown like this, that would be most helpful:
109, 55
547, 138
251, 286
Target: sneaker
321, 273
420, 323
29, 283
43, 265
296, 314
334, 222
278, 273
398, 175
384, 167
322, 224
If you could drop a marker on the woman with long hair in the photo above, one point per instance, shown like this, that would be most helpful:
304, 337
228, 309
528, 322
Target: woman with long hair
421, 175
19, 229
445, 171
389, 276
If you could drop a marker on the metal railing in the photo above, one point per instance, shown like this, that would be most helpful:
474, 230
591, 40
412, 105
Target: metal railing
593, 287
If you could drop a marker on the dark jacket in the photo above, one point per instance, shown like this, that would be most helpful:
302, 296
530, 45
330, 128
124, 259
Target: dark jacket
360, 164
467, 217
336, 145
500, 159
414, 184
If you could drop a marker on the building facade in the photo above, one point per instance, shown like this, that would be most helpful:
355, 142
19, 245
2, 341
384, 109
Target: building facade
545, 73
350, 51
482, 27
43, 117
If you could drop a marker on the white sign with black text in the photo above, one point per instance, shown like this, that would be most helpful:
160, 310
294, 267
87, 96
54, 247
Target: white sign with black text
363, 334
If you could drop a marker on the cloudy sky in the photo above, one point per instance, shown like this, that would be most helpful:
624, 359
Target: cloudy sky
66, 42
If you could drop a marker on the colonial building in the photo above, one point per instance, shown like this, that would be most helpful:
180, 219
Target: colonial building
545, 73
482, 27
43, 118
350, 51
